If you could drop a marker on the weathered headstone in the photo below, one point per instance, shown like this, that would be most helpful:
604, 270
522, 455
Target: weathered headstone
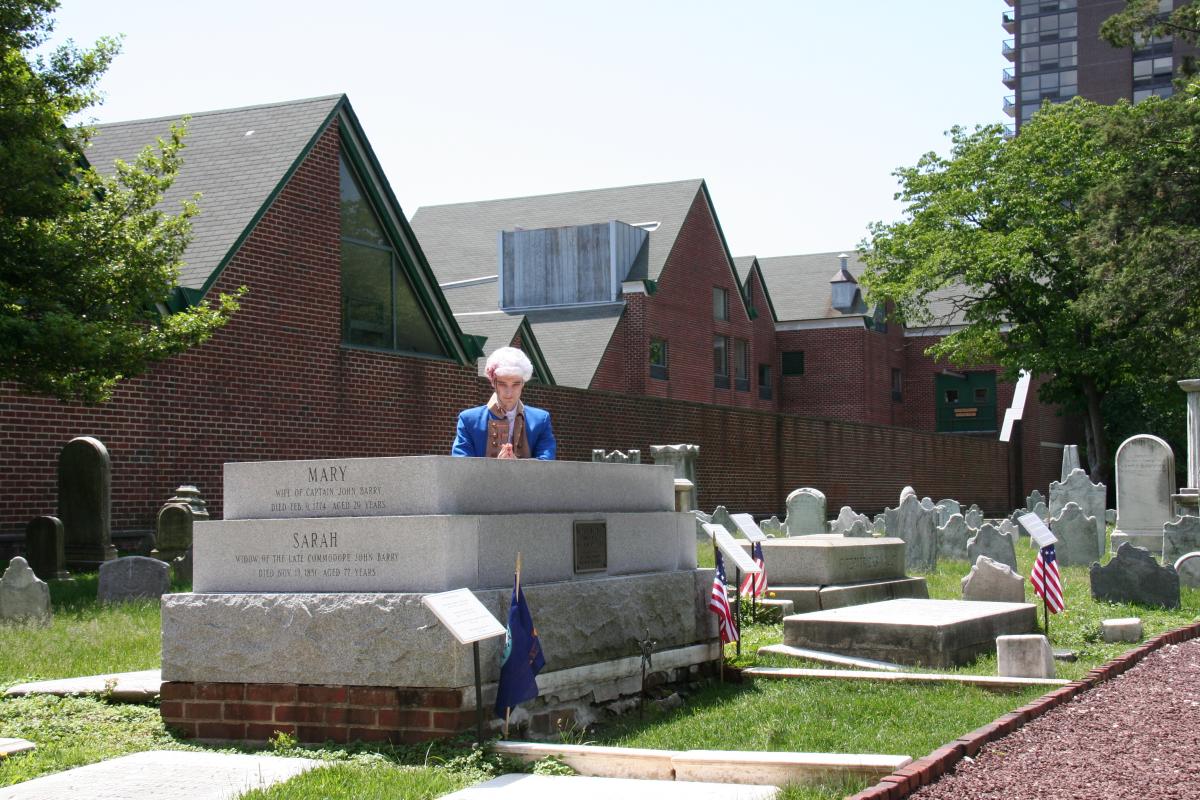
190, 495
1070, 460
906, 491
181, 567
973, 517
1188, 567
1041, 510
917, 527
617, 457
992, 543
1110, 516
133, 578
1010, 528
928, 504
846, 519
891, 522
880, 523
805, 512
946, 509
1133, 576
683, 458
44, 548
174, 534
953, 537
1025, 656
859, 530
992, 581
1180, 537
1034, 498
23, 598
85, 502
1145, 469
701, 520
1079, 489
1076, 533
772, 526
1126, 629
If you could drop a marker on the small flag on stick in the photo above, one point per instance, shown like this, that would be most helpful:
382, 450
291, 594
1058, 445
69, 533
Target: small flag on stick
522, 659
718, 603
756, 584
1047, 583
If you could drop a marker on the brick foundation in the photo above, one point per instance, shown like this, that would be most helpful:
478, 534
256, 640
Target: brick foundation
313, 713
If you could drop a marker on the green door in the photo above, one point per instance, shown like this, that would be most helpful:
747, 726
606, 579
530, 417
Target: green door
966, 402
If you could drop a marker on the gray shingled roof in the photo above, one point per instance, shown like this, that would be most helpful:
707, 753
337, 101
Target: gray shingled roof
460, 242
235, 172
799, 285
742, 265
498, 328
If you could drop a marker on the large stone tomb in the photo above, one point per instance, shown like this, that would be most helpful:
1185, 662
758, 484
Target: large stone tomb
823, 571
324, 600
932, 633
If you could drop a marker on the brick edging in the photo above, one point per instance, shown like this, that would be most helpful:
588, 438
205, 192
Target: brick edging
928, 769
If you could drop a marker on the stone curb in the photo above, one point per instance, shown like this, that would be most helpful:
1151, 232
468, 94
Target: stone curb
926, 770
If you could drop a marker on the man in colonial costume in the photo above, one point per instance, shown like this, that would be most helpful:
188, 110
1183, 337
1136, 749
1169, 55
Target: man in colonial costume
505, 427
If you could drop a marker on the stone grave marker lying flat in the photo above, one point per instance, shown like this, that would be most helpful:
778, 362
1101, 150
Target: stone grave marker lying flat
714, 766
827, 658
163, 775
11, 747
577, 787
984, 681
134, 687
933, 633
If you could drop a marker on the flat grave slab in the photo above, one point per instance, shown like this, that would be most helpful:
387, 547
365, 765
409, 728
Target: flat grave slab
579, 787
130, 686
422, 485
824, 559
163, 775
11, 747
986, 681
933, 633
827, 658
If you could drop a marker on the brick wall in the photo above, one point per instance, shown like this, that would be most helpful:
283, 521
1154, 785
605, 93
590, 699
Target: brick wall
276, 383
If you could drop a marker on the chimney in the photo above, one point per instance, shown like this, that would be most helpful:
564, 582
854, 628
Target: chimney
845, 288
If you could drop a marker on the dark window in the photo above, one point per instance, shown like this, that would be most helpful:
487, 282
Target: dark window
379, 307
721, 362
981, 395
658, 359
793, 363
951, 396
741, 365
897, 385
720, 303
764, 381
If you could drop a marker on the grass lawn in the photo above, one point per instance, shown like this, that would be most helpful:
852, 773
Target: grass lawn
815, 716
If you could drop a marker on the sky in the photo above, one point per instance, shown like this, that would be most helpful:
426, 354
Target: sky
795, 112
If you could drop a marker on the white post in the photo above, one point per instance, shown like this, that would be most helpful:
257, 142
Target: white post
1192, 387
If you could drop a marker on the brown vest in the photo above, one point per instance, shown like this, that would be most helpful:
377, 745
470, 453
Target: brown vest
498, 431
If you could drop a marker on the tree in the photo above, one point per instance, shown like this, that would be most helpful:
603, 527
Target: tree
1064, 251
87, 260
1141, 19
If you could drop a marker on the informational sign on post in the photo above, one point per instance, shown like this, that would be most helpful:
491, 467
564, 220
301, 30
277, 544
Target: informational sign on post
1037, 529
749, 528
731, 549
463, 615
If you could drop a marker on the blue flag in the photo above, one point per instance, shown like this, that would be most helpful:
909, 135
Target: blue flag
522, 659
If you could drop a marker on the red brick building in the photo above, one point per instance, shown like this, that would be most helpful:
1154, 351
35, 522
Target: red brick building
347, 346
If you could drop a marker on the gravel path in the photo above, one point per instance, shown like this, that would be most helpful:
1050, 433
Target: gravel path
1136, 736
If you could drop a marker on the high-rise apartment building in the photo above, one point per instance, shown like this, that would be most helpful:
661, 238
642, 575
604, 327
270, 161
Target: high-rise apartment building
1057, 53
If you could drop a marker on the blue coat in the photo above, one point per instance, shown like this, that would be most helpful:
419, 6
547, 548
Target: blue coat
471, 436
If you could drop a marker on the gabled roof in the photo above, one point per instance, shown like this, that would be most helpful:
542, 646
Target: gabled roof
236, 159
746, 267
799, 285
500, 330
240, 159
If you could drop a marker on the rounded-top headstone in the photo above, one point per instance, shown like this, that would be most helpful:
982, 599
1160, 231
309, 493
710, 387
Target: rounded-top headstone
23, 597
1145, 468
174, 528
85, 499
805, 512
1188, 567
133, 578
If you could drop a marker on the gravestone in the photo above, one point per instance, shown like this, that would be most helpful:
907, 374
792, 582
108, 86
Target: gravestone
23, 598
1079, 489
1070, 460
1034, 498
973, 517
906, 491
1180, 537
952, 538
1076, 533
918, 530
946, 509
174, 531
994, 582
190, 496
771, 527
927, 504
720, 516
1133, 576
1042, 511
1025, 656
891, 522
44, 548
683, 458
1188, 567
1110, 516
805, 512
859, 530
701, 520
617, 457
992, 543
846, 519
133, 578
1145, 469
181, 567
85, 502
1010, 528
880, 524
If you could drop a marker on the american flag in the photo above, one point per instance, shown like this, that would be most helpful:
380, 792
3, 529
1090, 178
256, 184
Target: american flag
1047, 583
719, 604
756, 583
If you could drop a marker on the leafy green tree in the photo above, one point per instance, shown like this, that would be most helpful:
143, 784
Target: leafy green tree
87, 260
1142, 18
1065, 251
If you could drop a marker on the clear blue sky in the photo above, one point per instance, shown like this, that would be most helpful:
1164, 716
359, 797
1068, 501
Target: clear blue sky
796, 112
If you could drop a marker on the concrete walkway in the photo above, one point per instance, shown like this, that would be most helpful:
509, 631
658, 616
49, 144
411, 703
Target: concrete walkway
162, 775
556, 787
132, 687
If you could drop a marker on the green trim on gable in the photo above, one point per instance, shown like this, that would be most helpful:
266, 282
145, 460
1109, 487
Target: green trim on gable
531, 348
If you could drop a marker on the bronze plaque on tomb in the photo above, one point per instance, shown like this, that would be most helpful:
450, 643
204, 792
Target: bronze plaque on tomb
590, 546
